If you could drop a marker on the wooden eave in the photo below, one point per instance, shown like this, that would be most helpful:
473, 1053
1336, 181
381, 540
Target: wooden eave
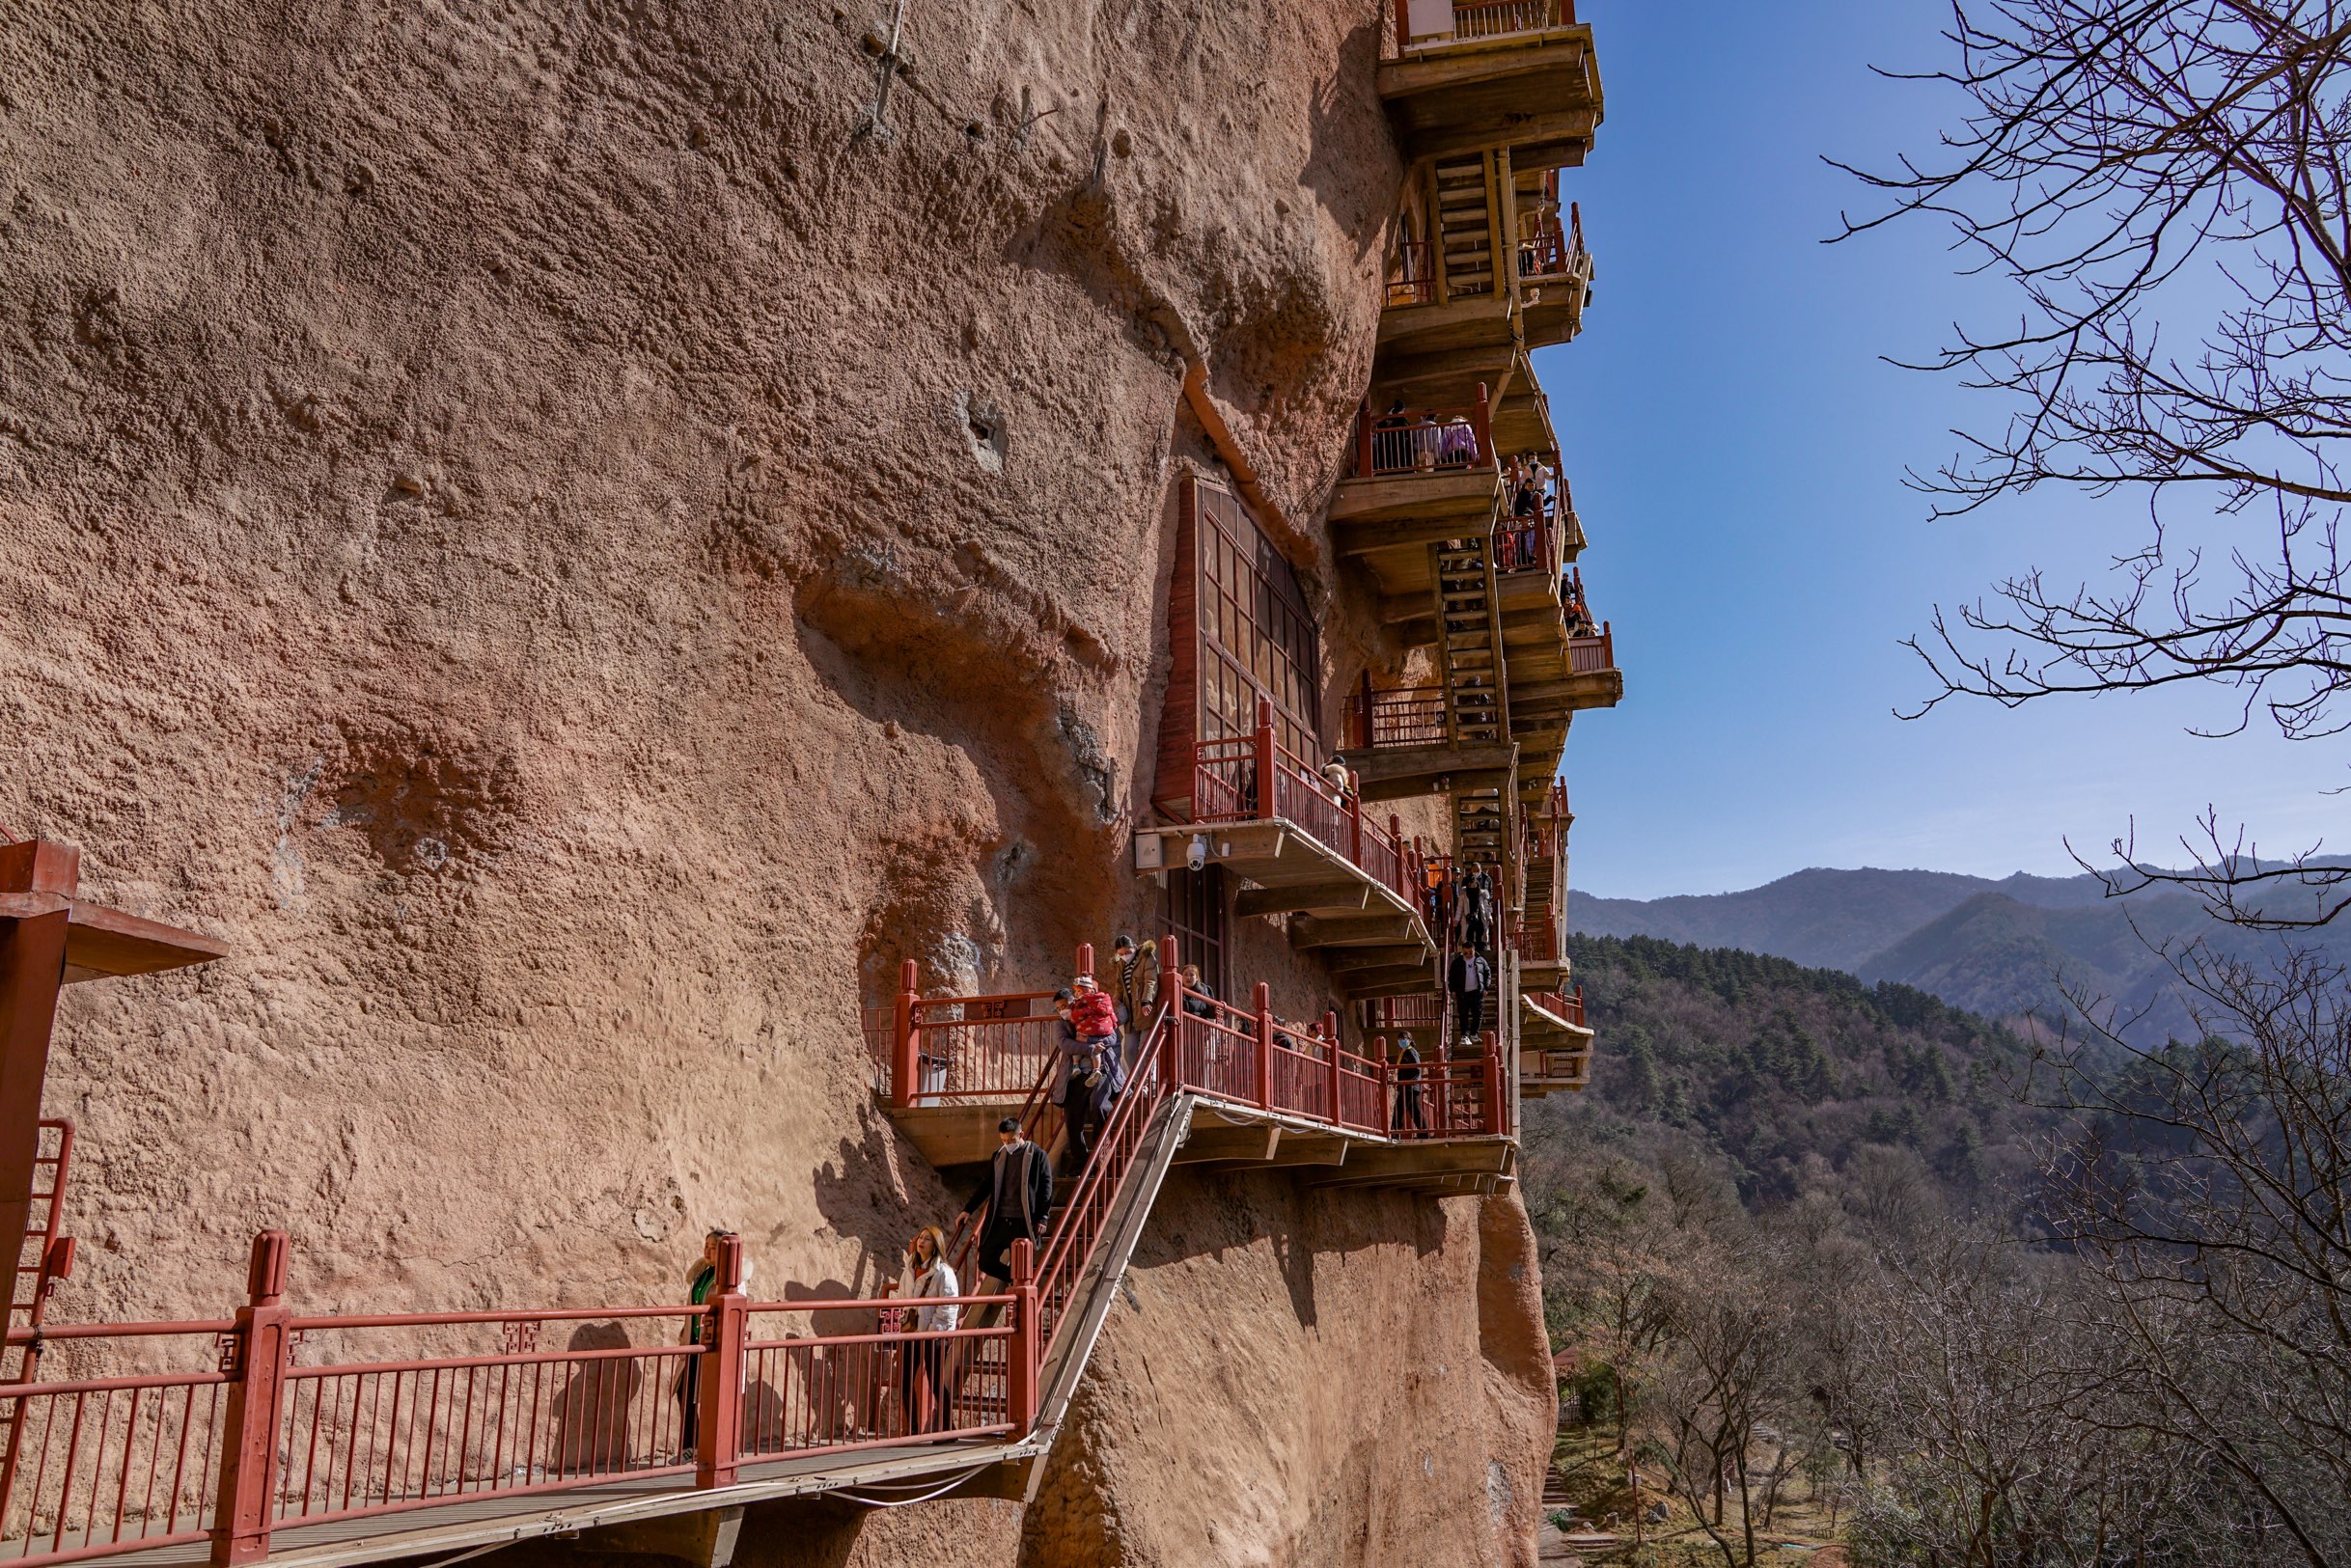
1457, 327
1537, 91
1401, 772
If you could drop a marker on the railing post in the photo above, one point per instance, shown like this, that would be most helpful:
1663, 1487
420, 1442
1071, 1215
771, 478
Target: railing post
902, 1035
1084, 963
1493, 1082
1171, 1001
1265, 1032
1383, 1073
1355, 817
1481, 423
1443, 1117
1330, 1030
1021, 1354
719, 1404
1266, 760
249, 1436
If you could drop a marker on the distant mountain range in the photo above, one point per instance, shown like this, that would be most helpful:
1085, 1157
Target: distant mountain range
2003, 949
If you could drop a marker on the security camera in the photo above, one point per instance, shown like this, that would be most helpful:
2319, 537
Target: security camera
1196, 856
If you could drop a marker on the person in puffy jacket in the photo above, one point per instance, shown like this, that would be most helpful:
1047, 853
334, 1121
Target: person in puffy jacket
1089, 1079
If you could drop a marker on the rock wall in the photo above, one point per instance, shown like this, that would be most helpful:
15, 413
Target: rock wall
574, 536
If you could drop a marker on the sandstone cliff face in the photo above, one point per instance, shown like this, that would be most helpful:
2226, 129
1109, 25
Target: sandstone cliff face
574, 547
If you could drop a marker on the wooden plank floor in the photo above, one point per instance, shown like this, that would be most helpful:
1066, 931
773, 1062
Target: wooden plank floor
495, 1518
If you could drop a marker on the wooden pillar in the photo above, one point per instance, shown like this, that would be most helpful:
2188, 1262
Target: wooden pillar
1330, 1031
719, 1371
1180, 1057
37, 881
1491, 1084
1265, 1032
1021, 1356
1268, 756
1482, 423
249, 1436
1445, 1083
903, 1046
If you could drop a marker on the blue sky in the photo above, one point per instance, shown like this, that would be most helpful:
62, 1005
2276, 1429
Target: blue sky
1736, 450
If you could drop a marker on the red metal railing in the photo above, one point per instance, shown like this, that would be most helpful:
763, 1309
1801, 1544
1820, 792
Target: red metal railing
1419, 25
301, 1420
120, 1463
1227, 786
876, 1025
1569, 1006
1547, 252
1404, 716
946, 1050
1415, 274
1590, 655
1539, 938
1423, 440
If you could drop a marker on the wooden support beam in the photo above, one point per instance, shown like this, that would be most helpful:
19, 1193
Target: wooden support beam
1485, 1156
1255, 1145
1297, 1149
1359, 931
1343, 959
1301, 897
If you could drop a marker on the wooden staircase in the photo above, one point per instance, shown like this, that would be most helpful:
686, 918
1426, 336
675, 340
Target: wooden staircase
1477, 700
1465, 225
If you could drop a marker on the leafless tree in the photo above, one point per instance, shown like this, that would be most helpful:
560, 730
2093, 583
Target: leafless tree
1723, 1374
2167, 185
2210, 1187
2012, 1440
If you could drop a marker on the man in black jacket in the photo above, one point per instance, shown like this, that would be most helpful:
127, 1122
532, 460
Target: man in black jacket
1018, 1193
1469, 978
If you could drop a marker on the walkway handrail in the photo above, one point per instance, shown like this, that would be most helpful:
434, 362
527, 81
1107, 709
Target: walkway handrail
1590, 655
1423, 440
1230, 783
1401, 716
270, 1429
1466, 19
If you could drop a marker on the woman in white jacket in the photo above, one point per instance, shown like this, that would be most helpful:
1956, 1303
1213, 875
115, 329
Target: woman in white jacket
924, 1380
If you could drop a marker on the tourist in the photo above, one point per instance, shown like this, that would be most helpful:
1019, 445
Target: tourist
1334, 774
1136, 988
1199, 998
701, 1282
1469, 977
1089, 1077
922, 1370
1018, 1193
1408, 1112
1477, 908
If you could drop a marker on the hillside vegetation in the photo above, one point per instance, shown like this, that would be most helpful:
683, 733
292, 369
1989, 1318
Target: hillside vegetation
1768, 1065
2020, 946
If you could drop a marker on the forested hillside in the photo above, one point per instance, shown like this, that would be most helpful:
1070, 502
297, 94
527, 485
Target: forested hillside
1769, 1064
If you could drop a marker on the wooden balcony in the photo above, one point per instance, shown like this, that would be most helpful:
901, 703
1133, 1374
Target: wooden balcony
1478, 74
1402, 743
1555, 273
1422, 476
1542, 949
1306, 849
1555, 1046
